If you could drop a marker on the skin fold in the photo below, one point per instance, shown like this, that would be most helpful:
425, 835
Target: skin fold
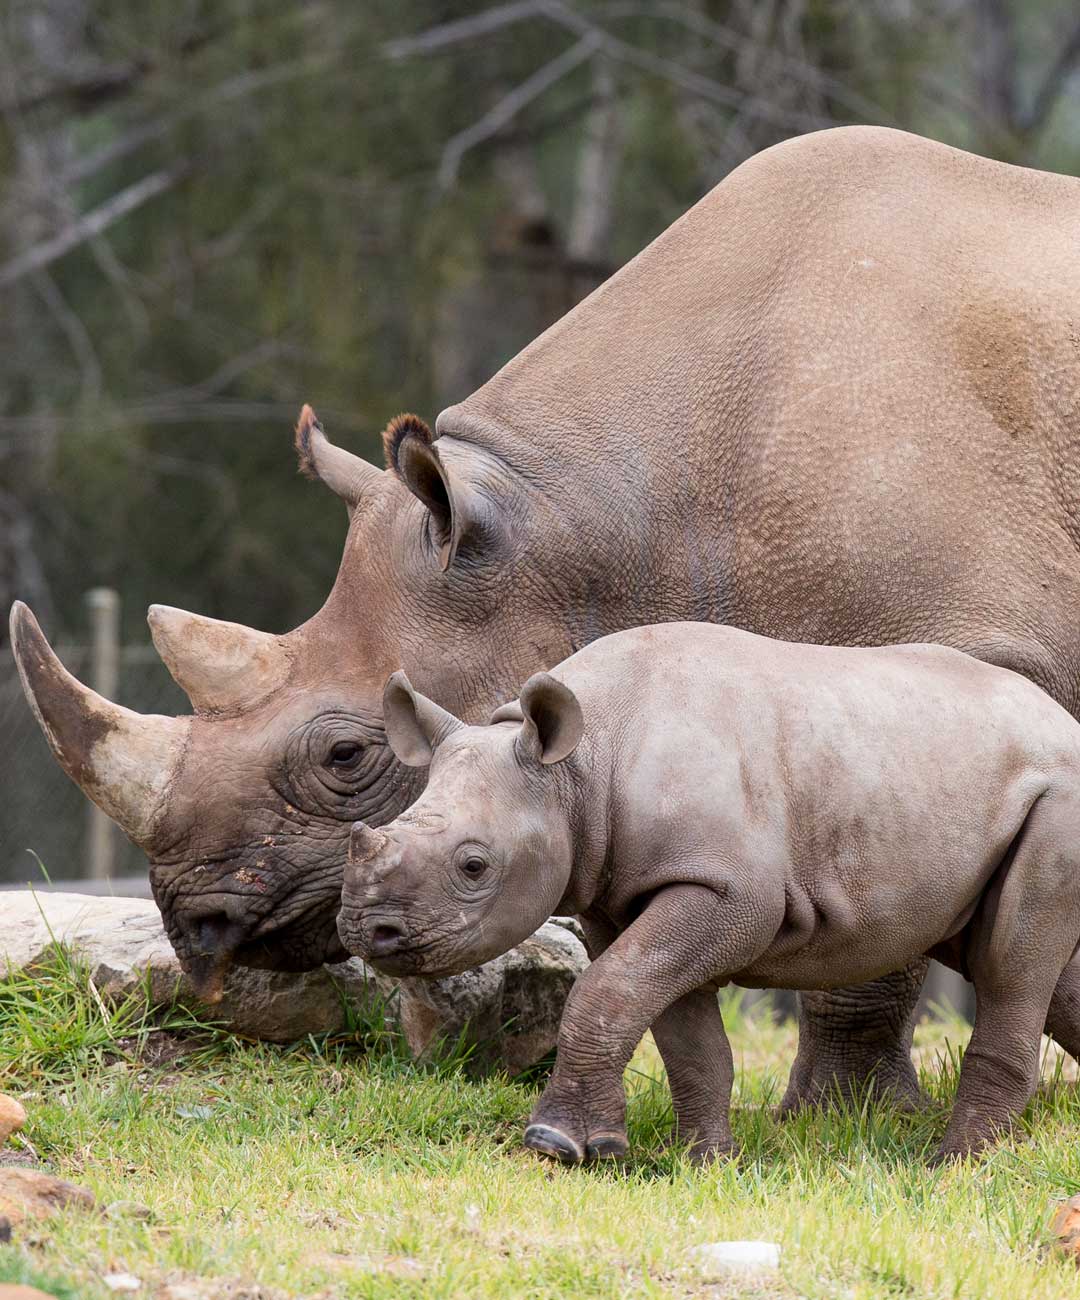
718, 807
836, 402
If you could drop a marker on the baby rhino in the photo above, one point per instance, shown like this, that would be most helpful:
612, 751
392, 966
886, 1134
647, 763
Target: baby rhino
718, 807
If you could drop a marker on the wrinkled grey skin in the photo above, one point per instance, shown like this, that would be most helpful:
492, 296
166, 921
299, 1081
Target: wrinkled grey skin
835, 402
719, 807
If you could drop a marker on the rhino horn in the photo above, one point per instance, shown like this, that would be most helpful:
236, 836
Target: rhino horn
123, 761
221, 666
348, 475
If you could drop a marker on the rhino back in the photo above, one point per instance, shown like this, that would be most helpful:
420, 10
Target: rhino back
837, 401
863, 778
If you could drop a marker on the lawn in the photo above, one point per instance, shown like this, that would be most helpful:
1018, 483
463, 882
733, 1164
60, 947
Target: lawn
337, 1169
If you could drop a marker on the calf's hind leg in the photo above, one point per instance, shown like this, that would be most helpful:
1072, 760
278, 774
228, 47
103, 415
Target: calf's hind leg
1021, 940
697, 1056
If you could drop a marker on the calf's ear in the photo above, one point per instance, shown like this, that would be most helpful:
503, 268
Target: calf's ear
456, 510
552, 721
415, 725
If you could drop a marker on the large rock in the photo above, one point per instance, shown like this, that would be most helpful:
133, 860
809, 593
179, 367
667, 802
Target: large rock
508, 1010
123, 942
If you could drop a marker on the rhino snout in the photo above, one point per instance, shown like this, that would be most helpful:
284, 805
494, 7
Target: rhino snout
365, 844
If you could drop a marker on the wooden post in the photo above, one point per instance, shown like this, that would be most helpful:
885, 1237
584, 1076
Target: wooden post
103, 605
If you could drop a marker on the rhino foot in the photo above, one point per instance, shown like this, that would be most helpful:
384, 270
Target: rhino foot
557, 1145
854, 1042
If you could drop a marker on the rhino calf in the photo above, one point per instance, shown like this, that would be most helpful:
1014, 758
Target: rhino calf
719, 807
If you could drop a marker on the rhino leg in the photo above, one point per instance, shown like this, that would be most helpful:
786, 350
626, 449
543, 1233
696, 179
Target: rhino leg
683, 938
1021, 940
855, 1039
1063, 1018
697, 1056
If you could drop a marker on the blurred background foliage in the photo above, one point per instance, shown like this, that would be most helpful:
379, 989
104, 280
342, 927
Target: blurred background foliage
214, 210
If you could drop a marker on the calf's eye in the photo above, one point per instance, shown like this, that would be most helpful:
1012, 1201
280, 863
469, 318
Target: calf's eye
474, 868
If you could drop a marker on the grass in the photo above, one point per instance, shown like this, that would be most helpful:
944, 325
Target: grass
337, 1169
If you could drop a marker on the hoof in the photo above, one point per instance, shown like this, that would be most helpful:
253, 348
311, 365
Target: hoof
554, 1144
607, 1146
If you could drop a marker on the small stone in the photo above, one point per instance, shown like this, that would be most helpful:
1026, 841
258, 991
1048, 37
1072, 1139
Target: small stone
12, 1117
128, 1210
31, 1194
122, 1282
1066, 1227
720, 1259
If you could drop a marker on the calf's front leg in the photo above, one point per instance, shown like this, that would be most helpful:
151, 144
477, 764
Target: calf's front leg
687, 935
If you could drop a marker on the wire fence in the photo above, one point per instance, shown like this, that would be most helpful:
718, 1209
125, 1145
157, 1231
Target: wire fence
45, 820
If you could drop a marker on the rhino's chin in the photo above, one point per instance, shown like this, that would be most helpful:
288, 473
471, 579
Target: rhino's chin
292, 949
399, 964
269, 954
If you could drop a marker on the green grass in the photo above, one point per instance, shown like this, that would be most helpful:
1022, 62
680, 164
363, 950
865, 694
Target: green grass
336, 1169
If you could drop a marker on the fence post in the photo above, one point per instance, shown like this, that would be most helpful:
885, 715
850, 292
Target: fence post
103, 604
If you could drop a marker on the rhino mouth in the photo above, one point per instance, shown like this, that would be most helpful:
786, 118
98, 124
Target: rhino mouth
213, 946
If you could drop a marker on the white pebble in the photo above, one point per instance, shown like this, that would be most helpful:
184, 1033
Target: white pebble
122, 1282
721, 1258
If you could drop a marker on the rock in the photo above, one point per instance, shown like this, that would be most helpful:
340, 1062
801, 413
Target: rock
124, 944
123, 1283
129, 1210
27, 1194
721, 1259
1066, 1227
12, 1117
508, 1010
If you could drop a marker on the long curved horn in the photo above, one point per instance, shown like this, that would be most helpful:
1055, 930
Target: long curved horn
122, 760
348, 475
221, 666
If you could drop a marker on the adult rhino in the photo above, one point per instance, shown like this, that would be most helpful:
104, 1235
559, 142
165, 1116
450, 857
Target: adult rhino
837, 401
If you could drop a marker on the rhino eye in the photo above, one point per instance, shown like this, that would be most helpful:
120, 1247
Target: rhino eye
474, 867
344, 753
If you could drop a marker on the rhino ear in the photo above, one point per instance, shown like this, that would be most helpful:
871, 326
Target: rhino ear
552, 721
415, 725
413, 454
349, 476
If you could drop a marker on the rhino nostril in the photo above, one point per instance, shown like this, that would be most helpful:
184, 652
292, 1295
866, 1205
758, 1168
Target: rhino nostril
216, 935
386, 938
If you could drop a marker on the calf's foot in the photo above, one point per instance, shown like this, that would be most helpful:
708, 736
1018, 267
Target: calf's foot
568, 1127
858, 1040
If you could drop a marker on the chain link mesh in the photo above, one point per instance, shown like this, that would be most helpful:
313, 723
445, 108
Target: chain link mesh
43, 815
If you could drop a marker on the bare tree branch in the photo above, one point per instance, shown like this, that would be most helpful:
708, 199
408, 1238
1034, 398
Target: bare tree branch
90, 224
598, 164
727, 38
504, 112
76, 334
1053, 83
462, 29
447, 34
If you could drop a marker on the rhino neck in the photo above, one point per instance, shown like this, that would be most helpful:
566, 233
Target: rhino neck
613, 530
585, 789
